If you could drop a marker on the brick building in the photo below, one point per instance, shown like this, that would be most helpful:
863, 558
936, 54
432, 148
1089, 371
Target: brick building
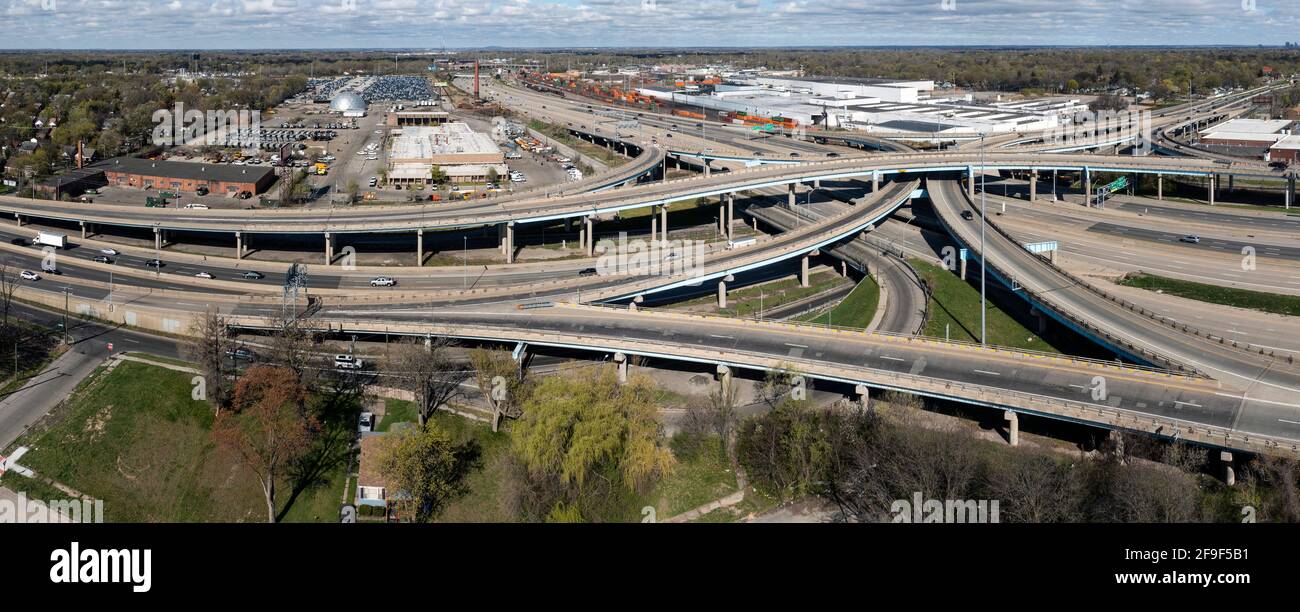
186, 176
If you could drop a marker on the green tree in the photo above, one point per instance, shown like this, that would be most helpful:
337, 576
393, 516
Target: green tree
587, 444
437, 176
425, 470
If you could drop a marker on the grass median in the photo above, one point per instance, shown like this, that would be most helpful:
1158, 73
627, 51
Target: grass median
1241, 298
955, 313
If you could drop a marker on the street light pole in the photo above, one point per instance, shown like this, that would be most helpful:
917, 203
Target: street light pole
984, 256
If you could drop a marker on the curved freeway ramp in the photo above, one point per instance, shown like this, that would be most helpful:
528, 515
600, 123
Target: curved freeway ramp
1271, 385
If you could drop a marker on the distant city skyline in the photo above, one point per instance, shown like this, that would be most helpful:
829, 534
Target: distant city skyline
454, 24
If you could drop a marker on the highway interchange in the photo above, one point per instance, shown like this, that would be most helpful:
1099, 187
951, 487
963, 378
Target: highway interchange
1203, 388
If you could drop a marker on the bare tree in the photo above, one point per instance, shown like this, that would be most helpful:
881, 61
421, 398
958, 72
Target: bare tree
498, 378
292, 343
424, 368
209, 346
9, 280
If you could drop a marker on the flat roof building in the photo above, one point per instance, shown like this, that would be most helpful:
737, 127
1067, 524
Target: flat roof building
185, 176
1286, 149
448, 144
1246, 133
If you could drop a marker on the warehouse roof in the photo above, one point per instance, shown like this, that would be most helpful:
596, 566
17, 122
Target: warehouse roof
185, 170
1290, 142
1250, 126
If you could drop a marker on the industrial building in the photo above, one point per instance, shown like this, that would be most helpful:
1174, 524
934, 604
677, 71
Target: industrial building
185, 176
872, 105
1286, 149
463, 155
416, 118
1262, 133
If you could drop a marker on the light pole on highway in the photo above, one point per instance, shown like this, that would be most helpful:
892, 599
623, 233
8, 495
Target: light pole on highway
984, 256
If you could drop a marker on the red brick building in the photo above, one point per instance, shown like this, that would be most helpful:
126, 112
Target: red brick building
185, 176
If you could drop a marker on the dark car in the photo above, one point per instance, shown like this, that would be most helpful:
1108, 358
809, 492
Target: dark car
832, 155
968, 215
241, 353
794, 155
102, 259
587, 272
154, 263
251, 275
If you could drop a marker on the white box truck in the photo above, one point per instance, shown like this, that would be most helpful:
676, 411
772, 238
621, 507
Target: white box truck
58, 241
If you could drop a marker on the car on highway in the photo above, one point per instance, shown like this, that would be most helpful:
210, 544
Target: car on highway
253, 275
348, 362
154, 263
195, 206
104, 259
587, 272
241, 353
29, 275
1191, 238
383, 281
967, 215
794, 155
832, 154
109, 251
203, 274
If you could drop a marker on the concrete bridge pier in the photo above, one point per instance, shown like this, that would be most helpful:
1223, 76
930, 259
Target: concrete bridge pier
663, 223
875, 181
790, 196
1211, 189
1013, 427
19, 219
159, 239
1229, 475
636, 302
621, 360
803, 266
1041, 317
239, 245
1160, 187
722, 290
864, 396
708, 170
1033, 185
970, 181
419, 248
591, 235
1087, 187
817, 184
731, 214
329, 249
510, 242
724, 377
962, 265
654, 225
1290, 191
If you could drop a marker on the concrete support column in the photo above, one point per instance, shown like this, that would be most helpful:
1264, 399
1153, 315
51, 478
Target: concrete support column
1160, 187
329, 249
722, 294
1013, 427
83, 230
1211, 189
419, 248
239, 245
621, 360
864, 396
635, 304
1087, 187
663, 223
510, 242
844, 268
790, 196
731, 214
568, 224
724, 377
654, 226
970, 181
1290, 191
817, 184
875, 182
157, 239
1033, 185
591, 236
962, 264
1229, 476
803, 268
19, 219
708, 170
501, 239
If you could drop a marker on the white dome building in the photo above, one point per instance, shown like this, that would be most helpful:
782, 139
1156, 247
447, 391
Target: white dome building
350, 103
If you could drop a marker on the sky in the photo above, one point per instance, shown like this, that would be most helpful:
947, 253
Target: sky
456, 24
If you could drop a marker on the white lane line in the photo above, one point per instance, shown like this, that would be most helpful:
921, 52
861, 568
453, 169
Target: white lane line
892, 358
1262, 401
988, 372
723, 337
796, 345
1192, 404
1290, 422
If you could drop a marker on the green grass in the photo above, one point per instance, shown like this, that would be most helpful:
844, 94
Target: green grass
955, 308
698, 478
856, 310
1240, 298
483, 502
746, 302
135, 438
398, 411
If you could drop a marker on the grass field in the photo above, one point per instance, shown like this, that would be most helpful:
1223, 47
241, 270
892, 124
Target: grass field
134, 438
699, 478
857, 309
955, 311
1254, 300
748, 301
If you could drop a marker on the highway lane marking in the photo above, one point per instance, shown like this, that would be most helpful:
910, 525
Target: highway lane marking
1289, 422
1193, 404
892, 358
1262, 401
988, 372
723, 337
796, 345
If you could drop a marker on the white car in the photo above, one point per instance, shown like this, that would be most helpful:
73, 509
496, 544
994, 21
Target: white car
366, 423
108, 251
382, 281
29, 275
203, 275
194, 206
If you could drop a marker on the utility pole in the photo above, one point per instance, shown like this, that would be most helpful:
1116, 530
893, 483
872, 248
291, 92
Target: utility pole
984, 256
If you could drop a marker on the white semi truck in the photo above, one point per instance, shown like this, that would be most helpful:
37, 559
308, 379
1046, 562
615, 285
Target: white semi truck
58, 241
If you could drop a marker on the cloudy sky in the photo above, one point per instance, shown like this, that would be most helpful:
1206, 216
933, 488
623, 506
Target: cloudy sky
225, 24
